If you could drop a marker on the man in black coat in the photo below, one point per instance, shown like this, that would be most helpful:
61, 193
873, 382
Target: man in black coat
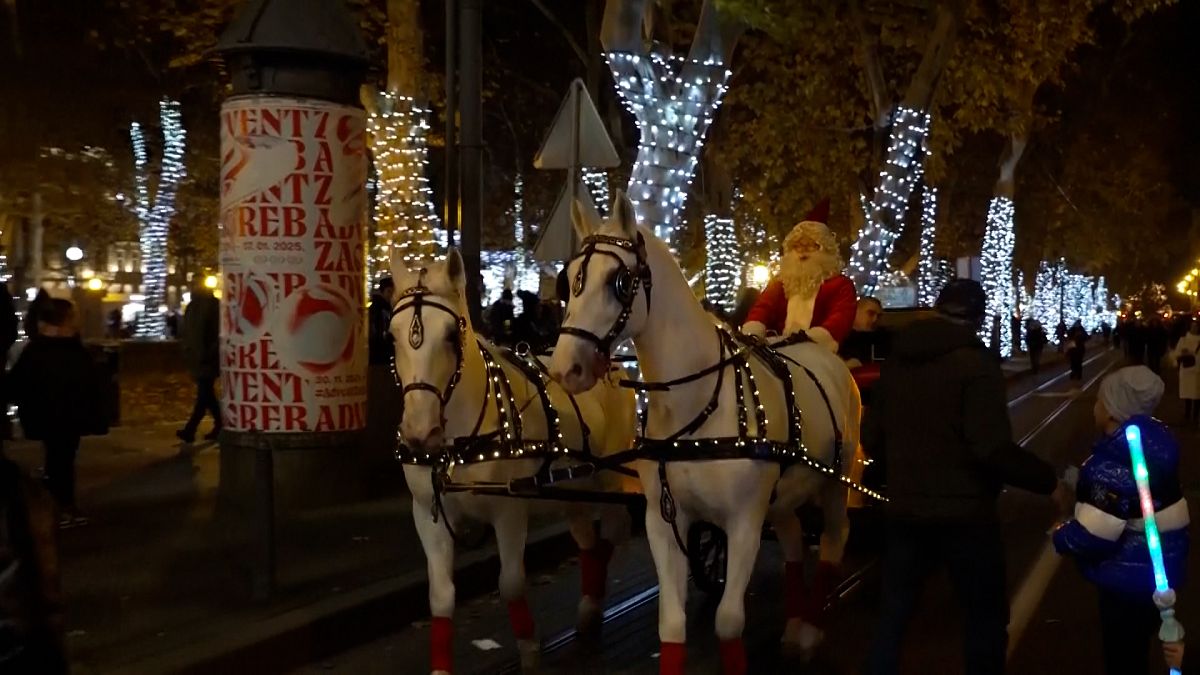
200, 338
379, 314
940, 417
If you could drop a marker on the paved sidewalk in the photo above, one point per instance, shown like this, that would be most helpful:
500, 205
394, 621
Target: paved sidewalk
160, 569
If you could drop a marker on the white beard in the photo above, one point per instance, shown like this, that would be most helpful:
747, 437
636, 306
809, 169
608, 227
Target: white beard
802, 278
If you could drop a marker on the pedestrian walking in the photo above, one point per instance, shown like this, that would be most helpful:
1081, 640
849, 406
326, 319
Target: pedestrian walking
59, 398
1157, 339
8, 337
1185, 354
1106, 537
1035, 343
200, 336
1076, 348
31, 607
939, 417
379, 346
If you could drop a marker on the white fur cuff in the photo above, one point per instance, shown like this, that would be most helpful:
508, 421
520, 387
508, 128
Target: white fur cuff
755, 328
823, 337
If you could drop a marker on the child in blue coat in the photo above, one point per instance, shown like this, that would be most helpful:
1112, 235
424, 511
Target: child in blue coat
1106, 536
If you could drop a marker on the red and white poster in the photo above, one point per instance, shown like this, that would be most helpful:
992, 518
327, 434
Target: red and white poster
293, 218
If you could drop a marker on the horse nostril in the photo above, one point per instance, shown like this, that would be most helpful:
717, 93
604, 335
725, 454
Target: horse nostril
576, 370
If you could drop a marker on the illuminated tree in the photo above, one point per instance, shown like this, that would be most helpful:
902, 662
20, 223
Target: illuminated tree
154, 214
673, 100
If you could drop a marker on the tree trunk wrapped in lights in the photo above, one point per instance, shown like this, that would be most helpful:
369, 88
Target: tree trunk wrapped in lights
405, 217
673, 99
1047, 298
154, 216
721, 269
929, 277
997, 277
910, 123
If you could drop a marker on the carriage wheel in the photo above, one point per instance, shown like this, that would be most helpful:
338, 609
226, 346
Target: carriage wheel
708, 555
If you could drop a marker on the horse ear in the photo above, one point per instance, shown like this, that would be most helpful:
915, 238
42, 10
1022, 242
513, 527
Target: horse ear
580, 219
623, 215
456, 271
399, 269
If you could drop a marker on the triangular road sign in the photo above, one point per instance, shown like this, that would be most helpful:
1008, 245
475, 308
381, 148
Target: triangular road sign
556, 242
592, 148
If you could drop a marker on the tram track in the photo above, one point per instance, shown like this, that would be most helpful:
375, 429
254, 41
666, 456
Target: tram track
647, 596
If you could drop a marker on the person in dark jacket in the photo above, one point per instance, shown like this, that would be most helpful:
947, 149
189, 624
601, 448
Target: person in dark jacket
1157, 338
8, 337
31, 607
200, 338
379, 347
1077, 339
34, 311
1105, 536
1035, 343
58, 395
940, 419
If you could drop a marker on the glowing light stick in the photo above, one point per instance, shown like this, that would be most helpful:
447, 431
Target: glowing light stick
1164, 598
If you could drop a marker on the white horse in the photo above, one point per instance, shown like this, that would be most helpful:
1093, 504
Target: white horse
626, 283
451, 396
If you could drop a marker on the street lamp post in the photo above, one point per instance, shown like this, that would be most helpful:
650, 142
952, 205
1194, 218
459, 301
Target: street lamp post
74, 254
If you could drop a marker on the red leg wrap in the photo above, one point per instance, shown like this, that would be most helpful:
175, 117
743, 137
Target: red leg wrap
733, 657
593, 568
671, 658
823, 585
441, 644
794, 596
521, 619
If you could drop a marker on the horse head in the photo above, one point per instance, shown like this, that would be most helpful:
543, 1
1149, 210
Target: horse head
431, 336
607, 289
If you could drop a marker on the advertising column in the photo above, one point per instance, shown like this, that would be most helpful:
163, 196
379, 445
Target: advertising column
293, 222
293, 217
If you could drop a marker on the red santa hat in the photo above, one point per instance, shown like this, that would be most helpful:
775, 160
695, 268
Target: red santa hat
820, 212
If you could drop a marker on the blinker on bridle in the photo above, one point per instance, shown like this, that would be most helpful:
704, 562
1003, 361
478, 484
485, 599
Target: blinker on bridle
624, 284
417, 298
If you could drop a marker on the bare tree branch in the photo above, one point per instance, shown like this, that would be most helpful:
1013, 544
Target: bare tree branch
566, 32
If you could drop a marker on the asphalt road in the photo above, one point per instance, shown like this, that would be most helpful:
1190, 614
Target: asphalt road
1055, 626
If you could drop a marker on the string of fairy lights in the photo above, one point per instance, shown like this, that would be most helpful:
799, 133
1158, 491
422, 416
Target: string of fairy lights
673, 101
154, 217
929, 277
1061, 297
596, 181
996, 275
885, 214
406, 220
721, 268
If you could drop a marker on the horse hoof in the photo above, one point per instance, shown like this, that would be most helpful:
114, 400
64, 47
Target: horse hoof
531, 656
801, 639
591, 616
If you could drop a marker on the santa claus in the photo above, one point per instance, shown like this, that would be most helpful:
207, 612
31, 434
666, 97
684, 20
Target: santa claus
810, 293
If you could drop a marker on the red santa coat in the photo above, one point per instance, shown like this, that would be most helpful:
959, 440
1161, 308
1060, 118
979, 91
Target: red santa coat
833, 311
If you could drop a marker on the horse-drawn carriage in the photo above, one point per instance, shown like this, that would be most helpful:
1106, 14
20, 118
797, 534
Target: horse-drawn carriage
736, 432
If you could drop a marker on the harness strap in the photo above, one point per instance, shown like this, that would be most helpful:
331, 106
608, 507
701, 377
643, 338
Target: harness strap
667, 507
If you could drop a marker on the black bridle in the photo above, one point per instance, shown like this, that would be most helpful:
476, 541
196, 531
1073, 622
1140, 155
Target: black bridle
417, 298
624, 285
